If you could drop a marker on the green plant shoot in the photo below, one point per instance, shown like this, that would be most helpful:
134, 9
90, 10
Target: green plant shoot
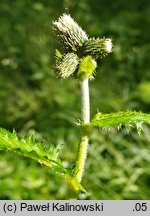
77, 60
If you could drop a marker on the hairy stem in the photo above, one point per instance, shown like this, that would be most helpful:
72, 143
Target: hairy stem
83, 146
85, 101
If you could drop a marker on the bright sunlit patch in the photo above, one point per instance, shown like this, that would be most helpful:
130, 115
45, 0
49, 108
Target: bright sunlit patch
109, 45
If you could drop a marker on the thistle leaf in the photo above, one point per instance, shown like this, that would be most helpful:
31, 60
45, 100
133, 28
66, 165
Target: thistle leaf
116, 120
29, 147
46, 155
86, 67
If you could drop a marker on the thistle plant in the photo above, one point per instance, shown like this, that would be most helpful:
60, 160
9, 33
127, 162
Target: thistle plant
77, 60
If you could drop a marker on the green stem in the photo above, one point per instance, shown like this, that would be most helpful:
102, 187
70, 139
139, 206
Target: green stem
83, 146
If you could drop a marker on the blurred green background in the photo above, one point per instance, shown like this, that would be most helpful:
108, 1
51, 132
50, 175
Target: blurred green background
32, 100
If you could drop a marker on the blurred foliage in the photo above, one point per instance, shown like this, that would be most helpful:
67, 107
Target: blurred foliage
32, 100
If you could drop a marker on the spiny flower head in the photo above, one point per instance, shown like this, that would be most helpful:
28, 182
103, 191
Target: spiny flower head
67, 65
97, 47
69, 32
80, 51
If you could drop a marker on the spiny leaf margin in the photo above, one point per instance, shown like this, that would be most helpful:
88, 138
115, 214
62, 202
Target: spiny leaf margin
118, 119
37, 150
29, 147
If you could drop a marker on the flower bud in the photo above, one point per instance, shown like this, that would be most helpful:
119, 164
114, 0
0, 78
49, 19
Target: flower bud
67, 65
70, 34
97, 47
